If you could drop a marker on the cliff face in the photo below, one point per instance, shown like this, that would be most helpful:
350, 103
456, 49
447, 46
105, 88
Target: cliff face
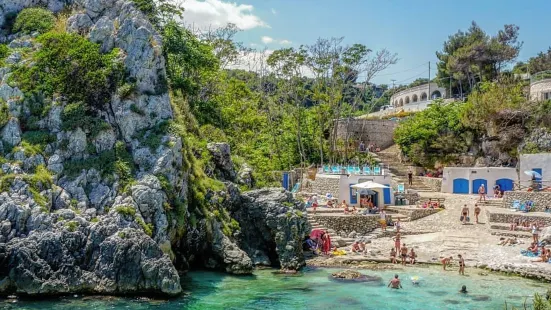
88, 192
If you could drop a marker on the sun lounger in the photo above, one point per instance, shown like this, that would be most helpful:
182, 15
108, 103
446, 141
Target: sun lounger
515, 205
376, 170
326, 169
367, 170
357, 170
295, 188
335, 169
401, 188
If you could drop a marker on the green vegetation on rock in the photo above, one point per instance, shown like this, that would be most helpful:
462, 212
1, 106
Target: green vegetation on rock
34, 20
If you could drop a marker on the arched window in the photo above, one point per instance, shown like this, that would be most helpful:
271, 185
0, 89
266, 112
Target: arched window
414, 98
407, 99
401, 102
424, 97
436, 94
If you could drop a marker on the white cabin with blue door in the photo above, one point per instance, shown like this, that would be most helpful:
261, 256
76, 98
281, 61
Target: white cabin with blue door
540, 163
384, 196
467, 180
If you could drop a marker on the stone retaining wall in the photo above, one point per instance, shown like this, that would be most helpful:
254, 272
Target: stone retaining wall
414, 213
323, 185
361, 224
412, 198
378, 132
510, 217
435, 184
540, 199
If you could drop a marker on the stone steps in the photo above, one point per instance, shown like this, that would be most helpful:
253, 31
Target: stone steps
508, 233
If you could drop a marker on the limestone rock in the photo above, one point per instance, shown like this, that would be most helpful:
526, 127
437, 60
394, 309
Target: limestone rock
233, 259
12, 132
221, 156
79, 23
103, 33
272, 217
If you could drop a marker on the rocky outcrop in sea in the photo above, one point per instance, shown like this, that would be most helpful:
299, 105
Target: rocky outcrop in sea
107, 212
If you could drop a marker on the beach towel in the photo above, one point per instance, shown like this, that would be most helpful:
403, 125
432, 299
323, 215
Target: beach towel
529, 253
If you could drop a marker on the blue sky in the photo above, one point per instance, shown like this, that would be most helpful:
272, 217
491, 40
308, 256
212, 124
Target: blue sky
414, 30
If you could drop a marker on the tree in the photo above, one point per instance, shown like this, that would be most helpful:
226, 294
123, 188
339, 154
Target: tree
473, 56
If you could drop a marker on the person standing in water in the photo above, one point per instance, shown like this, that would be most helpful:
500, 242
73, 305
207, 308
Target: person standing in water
395, 283
461, 264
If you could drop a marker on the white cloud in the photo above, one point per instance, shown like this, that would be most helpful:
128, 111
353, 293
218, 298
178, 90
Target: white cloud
218, 13
274, 11
267, 40
285, 42
253, 44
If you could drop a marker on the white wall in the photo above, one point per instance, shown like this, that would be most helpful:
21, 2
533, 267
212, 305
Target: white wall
490, 174
346, 181
531, 161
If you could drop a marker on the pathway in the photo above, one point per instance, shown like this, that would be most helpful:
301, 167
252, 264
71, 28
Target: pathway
389, 157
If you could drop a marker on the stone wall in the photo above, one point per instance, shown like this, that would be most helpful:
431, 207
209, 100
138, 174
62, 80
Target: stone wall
378, 132
435, 184
325, 184
509, 217
413, 212
361, 224
412, 198
540, 199
537, 89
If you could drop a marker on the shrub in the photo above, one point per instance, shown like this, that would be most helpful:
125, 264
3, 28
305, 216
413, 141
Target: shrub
4, 113
134, 108
126, 90
126, 210
72, 226
34, 19
147, 228
70, 65
94, 220
4, 52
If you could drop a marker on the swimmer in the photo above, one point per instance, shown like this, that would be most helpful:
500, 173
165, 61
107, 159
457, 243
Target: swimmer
395, 282
415, 280
463, 289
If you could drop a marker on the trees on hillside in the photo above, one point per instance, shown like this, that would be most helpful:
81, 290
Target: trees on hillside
474, 56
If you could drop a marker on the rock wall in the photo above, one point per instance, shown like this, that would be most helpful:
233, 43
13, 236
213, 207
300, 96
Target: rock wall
378, 132
540, 199
509, 217
435, 184
361, 224
325, 184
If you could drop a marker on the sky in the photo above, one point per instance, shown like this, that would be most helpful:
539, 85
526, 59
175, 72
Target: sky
414, 30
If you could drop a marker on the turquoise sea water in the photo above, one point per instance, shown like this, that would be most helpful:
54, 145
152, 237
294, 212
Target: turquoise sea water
313, 289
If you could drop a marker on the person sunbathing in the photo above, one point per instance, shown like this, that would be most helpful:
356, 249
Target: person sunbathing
358, 247
533, 248
412, 256
508, 241
544, 257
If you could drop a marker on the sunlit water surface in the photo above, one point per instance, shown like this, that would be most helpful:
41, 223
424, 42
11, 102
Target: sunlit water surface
313, 289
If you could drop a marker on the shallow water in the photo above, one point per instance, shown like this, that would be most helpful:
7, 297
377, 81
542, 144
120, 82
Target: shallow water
314, 290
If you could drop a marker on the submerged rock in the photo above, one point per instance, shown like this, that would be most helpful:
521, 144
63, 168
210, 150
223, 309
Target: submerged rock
354, 276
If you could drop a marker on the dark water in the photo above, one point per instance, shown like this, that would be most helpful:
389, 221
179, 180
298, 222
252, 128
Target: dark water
314, 290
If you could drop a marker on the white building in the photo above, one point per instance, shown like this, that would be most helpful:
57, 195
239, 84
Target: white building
382, 197
467, 180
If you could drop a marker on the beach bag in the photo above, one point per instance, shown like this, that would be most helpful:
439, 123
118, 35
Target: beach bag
468, 219
461, 218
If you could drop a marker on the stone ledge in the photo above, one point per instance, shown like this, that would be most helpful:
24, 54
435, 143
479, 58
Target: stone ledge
413, 212
500, 215
361, 224
540, 199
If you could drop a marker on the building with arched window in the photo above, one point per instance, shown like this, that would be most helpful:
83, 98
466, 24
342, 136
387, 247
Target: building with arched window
418, 94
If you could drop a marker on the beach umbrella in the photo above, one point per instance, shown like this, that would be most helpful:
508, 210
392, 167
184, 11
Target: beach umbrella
316, 233
533, 173
369, 185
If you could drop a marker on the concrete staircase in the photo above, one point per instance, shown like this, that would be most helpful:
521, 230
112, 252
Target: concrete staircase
389, 157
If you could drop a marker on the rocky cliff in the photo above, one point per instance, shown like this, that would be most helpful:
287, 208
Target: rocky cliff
96, 192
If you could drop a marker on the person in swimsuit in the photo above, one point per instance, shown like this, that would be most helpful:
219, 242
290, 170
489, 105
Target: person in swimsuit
446, 261
482, 192
461, 264
412, 256
393, 255
465, 214
476, 212
404, 254
463, 289
535, 232
397, 242
398, 225
382, 219
395, 283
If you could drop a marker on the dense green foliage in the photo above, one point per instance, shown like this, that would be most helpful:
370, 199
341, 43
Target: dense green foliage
473, 56
34, 20
70, 65
435, 134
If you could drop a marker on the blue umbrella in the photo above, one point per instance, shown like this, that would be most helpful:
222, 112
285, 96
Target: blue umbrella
533, 174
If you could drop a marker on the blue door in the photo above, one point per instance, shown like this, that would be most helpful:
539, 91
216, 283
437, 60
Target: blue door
538, 170
285, 182
505, 184
386, 195
477, 183
460, 186
353, 195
